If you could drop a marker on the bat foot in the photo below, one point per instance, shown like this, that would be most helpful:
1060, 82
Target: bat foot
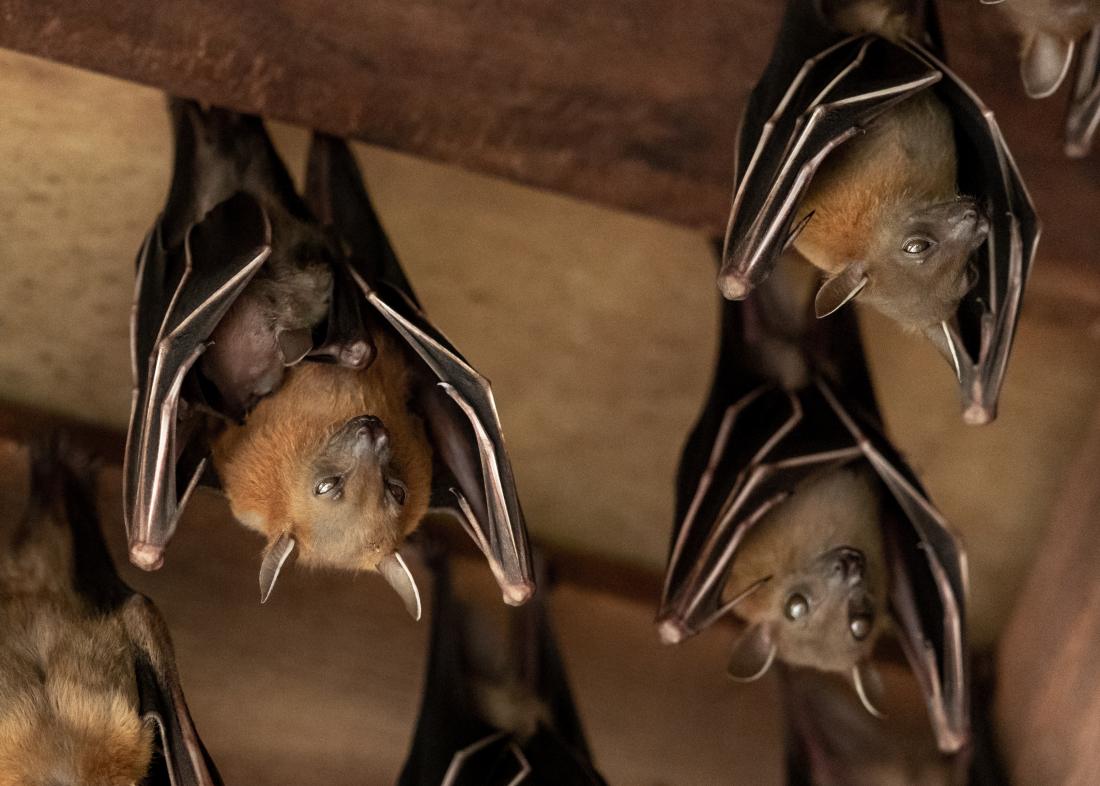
671, 631
518, 593
147, 556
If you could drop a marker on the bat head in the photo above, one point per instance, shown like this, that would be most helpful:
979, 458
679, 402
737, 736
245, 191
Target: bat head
333, 466
917, 267
818, 564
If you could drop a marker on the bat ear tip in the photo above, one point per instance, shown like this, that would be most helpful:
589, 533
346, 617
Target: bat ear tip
671, 631
147, 556
518, 592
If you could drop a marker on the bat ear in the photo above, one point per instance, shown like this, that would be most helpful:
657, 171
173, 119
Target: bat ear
1044, 63
839, 289
397, 574
752, 655
868, 684
274, 558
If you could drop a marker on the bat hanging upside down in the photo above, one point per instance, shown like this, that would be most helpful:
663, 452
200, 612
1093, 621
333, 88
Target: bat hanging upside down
883, 217
813, 577
89, 694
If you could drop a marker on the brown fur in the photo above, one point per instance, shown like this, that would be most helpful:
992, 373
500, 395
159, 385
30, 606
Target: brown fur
268, 465
834, 510
68, 699
906, 157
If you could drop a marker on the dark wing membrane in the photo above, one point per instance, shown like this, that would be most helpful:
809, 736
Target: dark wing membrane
181, 758
221, 255
928, 587
979, 339
766, 444
459, 407
836, 93
1083, 117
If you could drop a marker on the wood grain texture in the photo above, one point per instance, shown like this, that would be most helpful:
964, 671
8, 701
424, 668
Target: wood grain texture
628, 103
1048, 705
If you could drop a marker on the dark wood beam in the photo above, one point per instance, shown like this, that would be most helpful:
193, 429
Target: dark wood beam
627, 103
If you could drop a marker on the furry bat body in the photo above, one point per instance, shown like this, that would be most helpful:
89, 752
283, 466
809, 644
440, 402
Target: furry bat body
855, 148
1050, 32
798, 518
89, 693
492, 721
282, 340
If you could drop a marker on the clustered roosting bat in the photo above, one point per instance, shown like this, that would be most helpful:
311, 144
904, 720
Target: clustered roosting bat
484, 722
1050, 31
282, 339
89, 693
855, 148
797, 516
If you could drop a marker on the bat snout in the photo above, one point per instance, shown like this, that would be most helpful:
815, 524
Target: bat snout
368, 435
849, 565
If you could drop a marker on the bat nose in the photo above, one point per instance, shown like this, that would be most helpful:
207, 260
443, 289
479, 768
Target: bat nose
850, 564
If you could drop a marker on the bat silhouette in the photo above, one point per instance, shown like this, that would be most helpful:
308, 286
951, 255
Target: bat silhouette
796, 514
89, 692
279, 353
855, 148
1050, 32
487, 719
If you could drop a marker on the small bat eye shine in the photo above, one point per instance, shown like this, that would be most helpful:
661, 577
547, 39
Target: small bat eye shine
916, 245
796, 607
327, 486
860, 627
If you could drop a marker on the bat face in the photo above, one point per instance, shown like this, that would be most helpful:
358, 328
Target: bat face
335, 459
820, 552
919, 268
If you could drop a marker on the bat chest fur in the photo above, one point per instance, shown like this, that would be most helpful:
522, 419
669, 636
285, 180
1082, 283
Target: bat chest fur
903, 161
68, 702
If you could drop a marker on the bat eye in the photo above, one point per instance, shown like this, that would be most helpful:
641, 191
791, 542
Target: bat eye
796, 606
397, 490
327, 486
916, 245
860, 627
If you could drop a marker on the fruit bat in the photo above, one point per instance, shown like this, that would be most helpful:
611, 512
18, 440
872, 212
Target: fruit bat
89, 692
487, 722
1050, 31
795, 513
279, 353
868, 155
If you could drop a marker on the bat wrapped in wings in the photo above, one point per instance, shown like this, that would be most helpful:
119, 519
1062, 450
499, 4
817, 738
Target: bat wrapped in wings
278, 351
861, 149
795, 514
491, 721
1050, 32
89, 692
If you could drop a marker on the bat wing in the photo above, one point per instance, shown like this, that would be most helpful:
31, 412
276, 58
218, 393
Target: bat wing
181, 759
180, 297
1083, 117
459, 405
978, 340
928, 586
837, 91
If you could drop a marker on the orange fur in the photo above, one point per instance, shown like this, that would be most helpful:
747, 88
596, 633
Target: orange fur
266, 464
907, 156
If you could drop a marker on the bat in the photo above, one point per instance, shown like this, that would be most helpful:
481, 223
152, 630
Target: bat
487, 718
279, 354
781, 485
1050, 31
89, 691
861, 149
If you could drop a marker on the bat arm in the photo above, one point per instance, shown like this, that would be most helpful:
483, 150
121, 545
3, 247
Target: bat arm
156, 509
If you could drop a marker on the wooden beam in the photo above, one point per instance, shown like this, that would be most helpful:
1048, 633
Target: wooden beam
628, 103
